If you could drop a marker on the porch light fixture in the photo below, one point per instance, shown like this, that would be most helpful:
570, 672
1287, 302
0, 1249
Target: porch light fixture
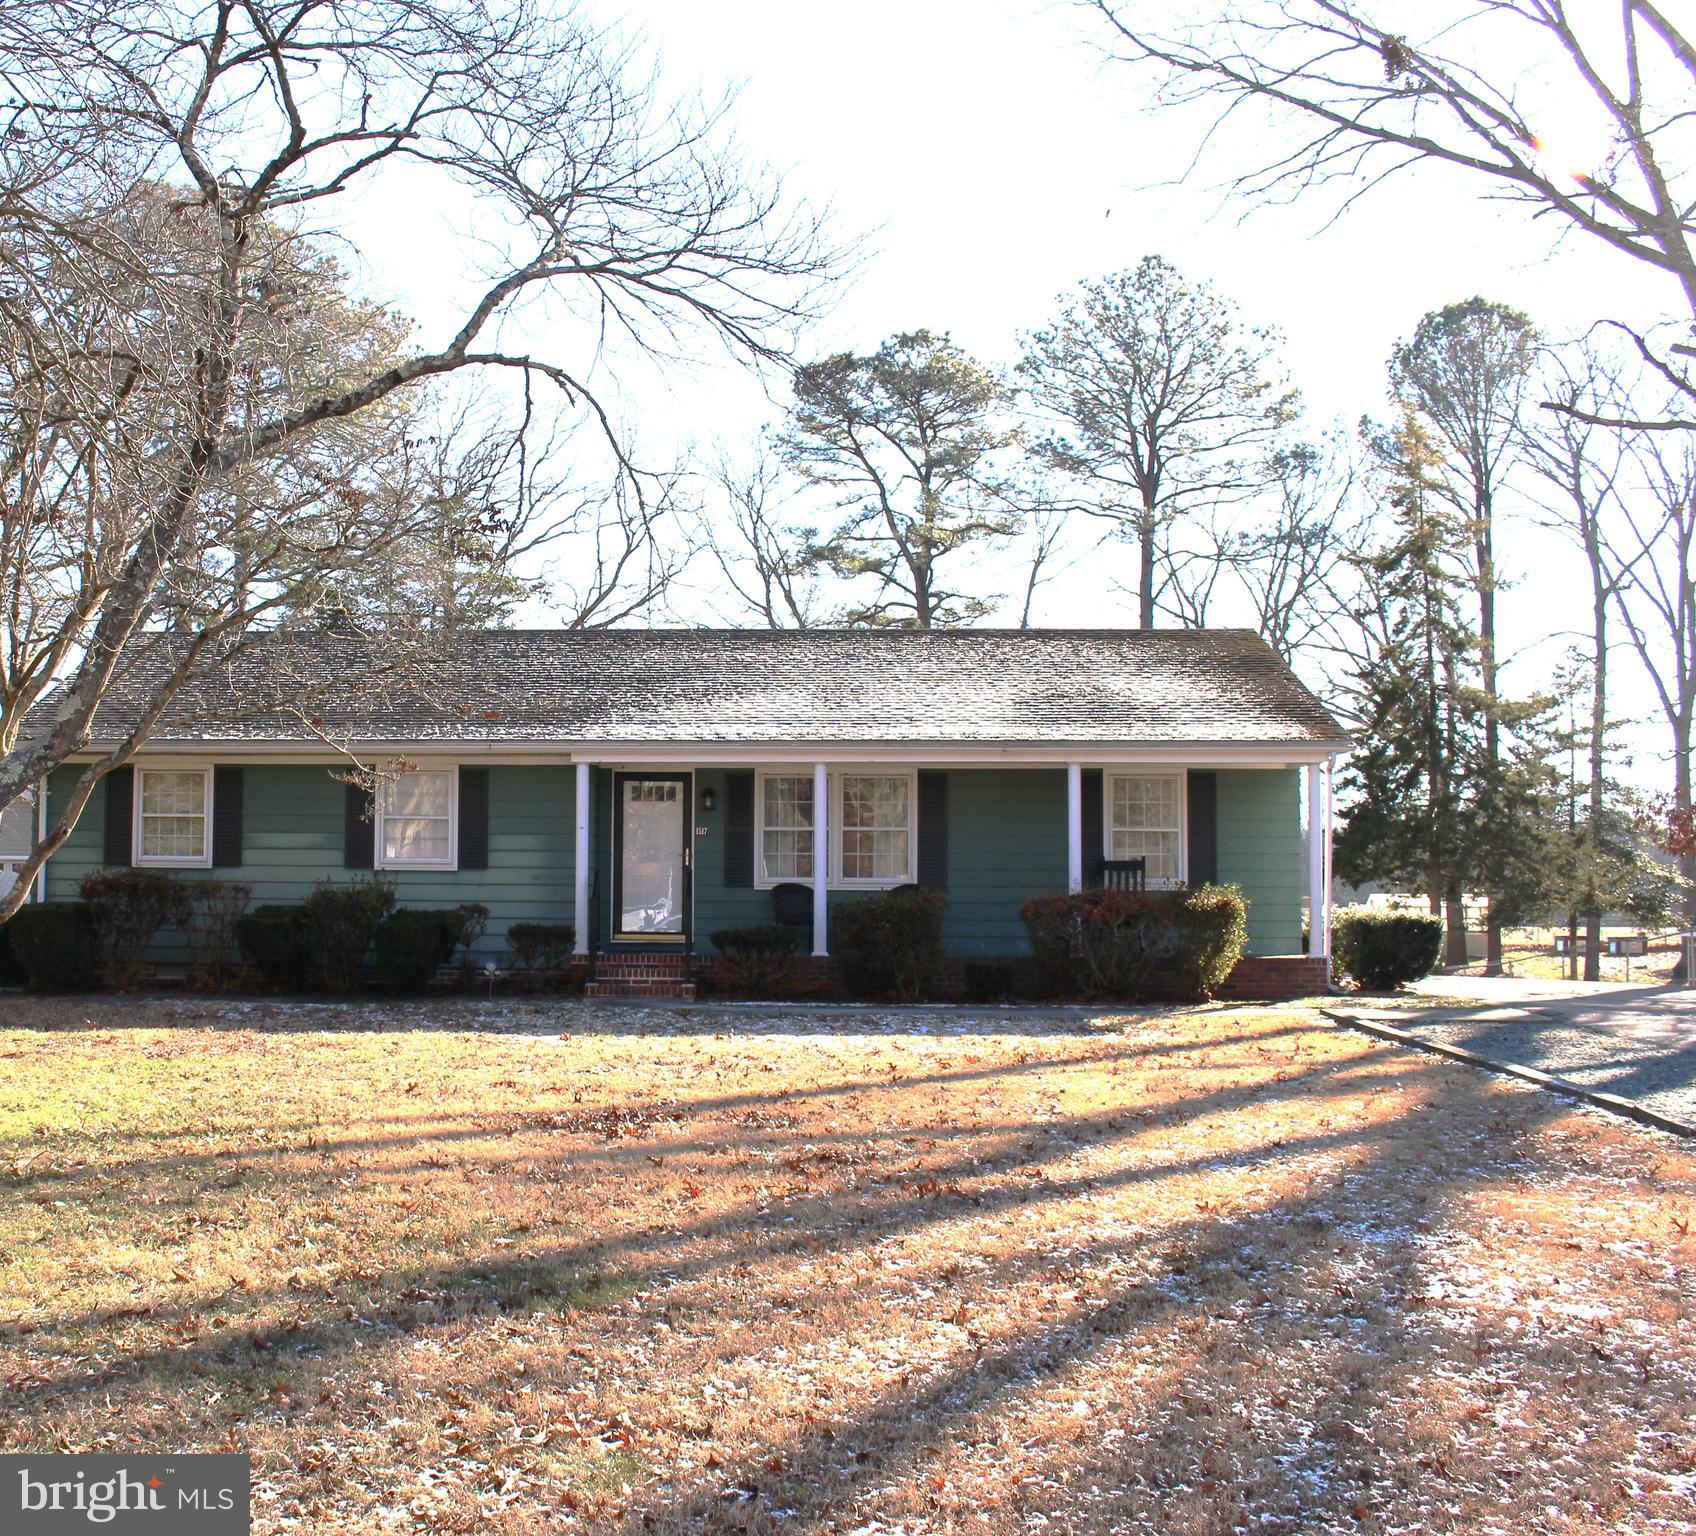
709, 800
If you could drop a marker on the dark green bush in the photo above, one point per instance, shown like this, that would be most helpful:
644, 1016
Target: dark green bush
129, 906
890, 945
990, 981
1100, 943
757, 959
11, 971
277, 942
1385, 950
411, 944
55, 945
470, 922
542, 946
1116, 943
1211, 923
342, 920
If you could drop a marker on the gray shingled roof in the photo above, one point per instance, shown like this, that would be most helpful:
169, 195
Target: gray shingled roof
1219, 686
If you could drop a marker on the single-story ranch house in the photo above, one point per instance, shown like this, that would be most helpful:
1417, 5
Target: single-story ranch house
653, 786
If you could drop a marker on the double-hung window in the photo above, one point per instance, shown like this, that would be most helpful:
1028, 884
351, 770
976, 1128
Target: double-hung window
416, 825
871, 838
786, 828
173, 816
874, 828
1145, 820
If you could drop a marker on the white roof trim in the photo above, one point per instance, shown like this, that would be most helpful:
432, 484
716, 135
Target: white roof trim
712, 754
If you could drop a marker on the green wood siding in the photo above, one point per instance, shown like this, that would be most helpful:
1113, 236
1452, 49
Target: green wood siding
1260, 849
292, 838
1006, 841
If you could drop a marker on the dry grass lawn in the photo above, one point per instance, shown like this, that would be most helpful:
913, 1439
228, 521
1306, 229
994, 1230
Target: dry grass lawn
1220, 1271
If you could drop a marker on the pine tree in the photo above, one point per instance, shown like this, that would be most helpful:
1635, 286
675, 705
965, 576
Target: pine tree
1410, 821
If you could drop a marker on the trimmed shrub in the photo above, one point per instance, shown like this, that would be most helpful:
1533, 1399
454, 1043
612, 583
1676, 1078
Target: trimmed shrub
1212, 931
411, 944
277, 942
218, 908
890, 945
757, 959
129, 906
342, 920
54, 944
990, 981
1114, 943
1385, 950
1099, 943
542, 946
470, 923
11, 972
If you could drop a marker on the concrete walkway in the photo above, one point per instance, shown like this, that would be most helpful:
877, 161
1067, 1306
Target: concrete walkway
1613, 1037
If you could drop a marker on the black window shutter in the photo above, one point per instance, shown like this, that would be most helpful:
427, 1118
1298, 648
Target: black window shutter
359, 830
738, 829
226, 817
933, 829
1091, 807
1204, 827
473, 818
120, 815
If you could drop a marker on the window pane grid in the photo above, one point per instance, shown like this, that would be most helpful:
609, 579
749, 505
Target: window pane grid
173, 815
1146, 823
418, 817
876, 811
786, 840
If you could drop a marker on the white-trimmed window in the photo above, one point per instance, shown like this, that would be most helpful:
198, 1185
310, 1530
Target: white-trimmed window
1145, 820
417, 820
785, 847
17, 838
872, 837
173, 817
872, 834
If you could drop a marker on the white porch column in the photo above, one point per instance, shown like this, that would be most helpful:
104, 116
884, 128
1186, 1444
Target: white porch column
821, 859
580, 867
1319, 860
1074, 826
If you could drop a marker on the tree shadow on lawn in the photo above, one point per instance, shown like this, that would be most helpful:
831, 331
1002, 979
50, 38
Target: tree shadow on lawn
1246, 1433
429, 1128
1323, 1456
58, 1013
979, 1152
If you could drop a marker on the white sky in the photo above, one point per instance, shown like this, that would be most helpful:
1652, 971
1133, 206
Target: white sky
992, 160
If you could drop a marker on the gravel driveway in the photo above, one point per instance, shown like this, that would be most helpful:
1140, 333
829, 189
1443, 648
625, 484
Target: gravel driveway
1637, 1042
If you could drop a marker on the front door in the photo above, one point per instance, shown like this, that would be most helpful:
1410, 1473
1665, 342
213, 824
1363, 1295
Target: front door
651, 856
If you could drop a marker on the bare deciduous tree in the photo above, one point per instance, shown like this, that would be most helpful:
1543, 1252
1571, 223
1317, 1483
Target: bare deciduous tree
1578, 465
1373, 88
1652, 550
1160, 405
770, 565
165, 370
1297, 562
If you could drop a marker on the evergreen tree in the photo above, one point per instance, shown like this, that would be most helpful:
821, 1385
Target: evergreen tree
1410, 821
1455, 792
912, 440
